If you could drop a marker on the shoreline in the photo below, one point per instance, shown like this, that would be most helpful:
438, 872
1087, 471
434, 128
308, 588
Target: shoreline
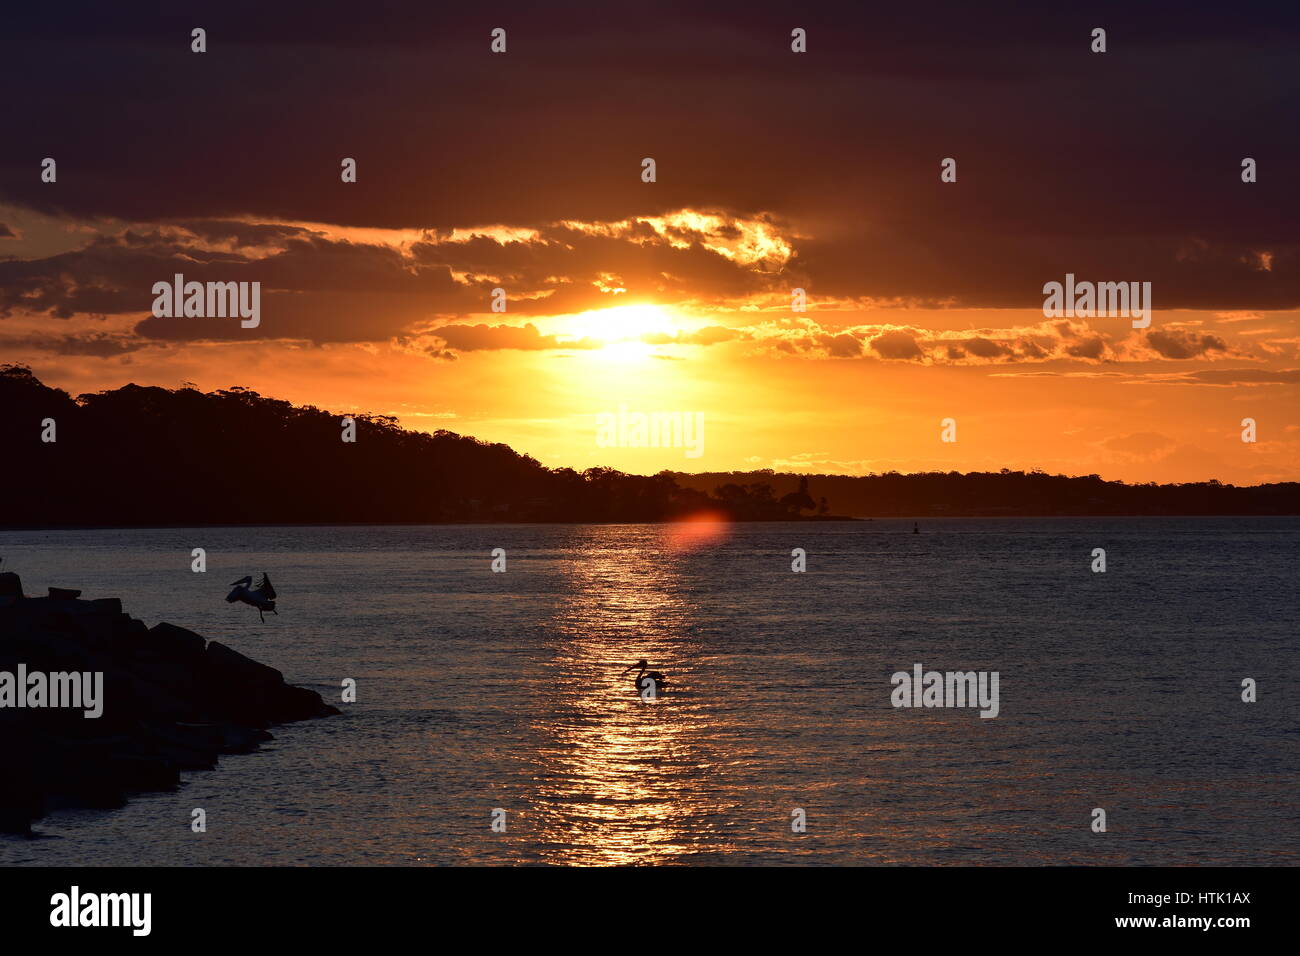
524, 523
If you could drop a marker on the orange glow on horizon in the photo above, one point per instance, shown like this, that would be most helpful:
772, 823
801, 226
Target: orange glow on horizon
698, 530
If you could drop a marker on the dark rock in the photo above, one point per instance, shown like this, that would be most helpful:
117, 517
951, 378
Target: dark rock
172, 702
225, 737
186, 643
128, 628
90, 629
227, 665
16, 819
20, 800
298, 703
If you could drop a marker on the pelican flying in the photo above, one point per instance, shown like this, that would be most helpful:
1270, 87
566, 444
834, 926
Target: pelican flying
261, 597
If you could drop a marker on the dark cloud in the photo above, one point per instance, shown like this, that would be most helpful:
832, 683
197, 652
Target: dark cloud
99, 344
841, 346
327, 288
987, 348
896, 345
473, 338
1101, 165
1089, 348
1045, 341
1181, 344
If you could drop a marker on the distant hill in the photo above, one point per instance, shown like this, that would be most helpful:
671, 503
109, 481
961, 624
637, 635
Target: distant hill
1019, 493
138, 457
146, 456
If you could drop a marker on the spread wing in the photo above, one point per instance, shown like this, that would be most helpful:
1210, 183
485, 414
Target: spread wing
264, 586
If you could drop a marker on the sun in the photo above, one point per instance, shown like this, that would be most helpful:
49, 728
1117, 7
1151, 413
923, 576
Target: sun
622, 330
621, 323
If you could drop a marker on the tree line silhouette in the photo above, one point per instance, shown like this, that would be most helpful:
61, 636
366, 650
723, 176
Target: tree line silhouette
1020, 493
150, 456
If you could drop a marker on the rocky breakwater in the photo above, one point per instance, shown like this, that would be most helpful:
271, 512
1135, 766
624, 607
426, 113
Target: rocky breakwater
95, 706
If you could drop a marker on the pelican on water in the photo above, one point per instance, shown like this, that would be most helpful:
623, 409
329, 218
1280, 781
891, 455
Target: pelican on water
261, 597
644, 678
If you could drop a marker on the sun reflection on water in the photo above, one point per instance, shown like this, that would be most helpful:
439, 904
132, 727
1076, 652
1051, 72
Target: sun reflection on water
700, 530
612, 777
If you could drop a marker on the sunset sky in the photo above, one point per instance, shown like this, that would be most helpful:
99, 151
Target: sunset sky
775, 171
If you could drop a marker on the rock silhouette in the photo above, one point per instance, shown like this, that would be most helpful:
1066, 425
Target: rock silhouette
172, 701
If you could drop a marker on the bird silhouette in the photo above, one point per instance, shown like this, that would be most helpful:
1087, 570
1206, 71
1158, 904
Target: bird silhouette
644, 678
261, 597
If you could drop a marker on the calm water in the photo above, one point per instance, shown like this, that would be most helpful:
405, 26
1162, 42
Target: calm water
480, 690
